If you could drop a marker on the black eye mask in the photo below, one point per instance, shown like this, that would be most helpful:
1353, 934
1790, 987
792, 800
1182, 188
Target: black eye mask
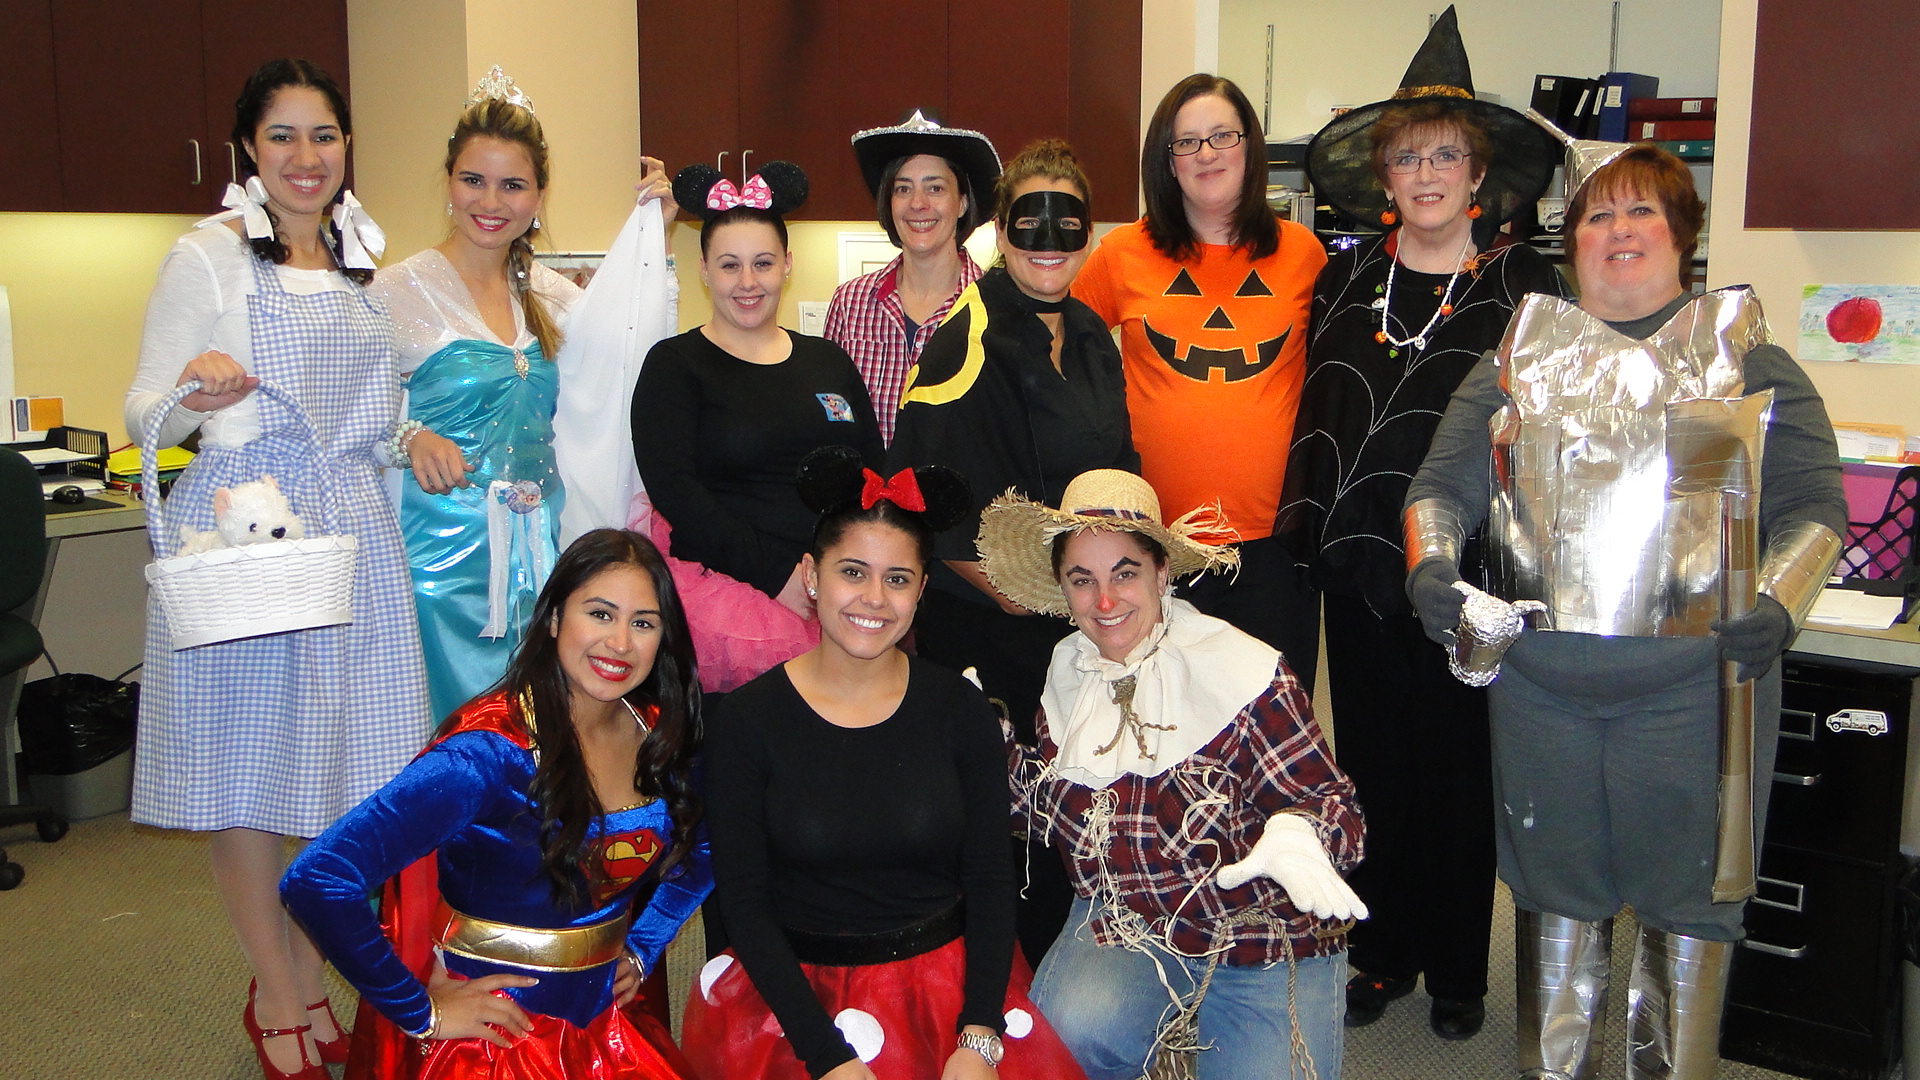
1048, 207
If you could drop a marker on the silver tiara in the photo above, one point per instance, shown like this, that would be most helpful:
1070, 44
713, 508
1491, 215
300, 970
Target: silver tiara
497, 85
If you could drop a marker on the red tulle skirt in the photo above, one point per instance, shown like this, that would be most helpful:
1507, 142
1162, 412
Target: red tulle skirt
898, 1017
739, 632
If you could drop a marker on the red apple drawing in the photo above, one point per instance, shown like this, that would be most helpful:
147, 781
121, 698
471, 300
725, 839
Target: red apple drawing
1854, 321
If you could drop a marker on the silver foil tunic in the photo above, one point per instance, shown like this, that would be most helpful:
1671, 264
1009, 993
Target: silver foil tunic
1616, 462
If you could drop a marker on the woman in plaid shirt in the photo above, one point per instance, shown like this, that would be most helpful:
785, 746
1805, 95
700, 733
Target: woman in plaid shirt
1182, 776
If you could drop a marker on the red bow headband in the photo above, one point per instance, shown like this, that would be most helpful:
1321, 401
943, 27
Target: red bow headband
902, 491
724, 196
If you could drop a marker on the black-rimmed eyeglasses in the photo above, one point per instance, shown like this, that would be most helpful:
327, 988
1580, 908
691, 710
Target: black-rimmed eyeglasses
1219, 140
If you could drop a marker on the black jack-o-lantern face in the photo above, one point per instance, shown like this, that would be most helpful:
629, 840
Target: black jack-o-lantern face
1178, 344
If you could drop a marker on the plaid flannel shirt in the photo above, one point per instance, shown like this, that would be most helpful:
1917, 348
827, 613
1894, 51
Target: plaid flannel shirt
1155, 842
866, 320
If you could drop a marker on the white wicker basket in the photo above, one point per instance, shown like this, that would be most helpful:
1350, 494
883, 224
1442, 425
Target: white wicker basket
242, 592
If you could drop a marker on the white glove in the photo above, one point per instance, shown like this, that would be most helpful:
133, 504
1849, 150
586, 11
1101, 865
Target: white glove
1289, 852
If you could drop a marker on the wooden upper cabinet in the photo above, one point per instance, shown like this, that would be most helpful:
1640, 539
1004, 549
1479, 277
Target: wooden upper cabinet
131, 106
798, 77
239, 35
29, 125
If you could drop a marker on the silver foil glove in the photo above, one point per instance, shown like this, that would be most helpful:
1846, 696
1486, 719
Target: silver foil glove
1488, 625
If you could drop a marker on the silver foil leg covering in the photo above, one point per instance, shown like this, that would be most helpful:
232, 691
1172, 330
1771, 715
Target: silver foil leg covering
1674, 1001
1560, 976
1433, 530
1797, 563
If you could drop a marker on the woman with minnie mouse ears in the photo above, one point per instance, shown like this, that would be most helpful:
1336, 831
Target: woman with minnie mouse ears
723, 415
857, 803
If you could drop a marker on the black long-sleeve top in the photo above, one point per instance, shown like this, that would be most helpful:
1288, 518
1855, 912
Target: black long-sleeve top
833, 830
986, 399
718, 441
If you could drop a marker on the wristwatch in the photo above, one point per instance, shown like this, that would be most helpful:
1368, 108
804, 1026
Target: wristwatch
987, 1046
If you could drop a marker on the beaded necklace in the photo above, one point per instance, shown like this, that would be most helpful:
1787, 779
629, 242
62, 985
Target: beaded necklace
1419, 340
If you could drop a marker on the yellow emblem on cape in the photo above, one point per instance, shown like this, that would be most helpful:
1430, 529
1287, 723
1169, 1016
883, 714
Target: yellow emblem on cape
955, 388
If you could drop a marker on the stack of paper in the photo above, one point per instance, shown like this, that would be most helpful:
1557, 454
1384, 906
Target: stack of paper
1850, 607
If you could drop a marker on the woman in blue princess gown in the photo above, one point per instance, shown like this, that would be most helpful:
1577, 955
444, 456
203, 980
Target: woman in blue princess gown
479, 324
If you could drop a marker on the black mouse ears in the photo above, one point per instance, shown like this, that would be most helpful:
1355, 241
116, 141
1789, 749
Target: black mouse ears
835, 476
778, 188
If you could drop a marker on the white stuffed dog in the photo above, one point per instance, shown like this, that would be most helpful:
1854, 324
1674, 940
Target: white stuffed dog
251, 513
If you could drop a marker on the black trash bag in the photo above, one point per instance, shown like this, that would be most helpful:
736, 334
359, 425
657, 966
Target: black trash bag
73, 722
1906, 902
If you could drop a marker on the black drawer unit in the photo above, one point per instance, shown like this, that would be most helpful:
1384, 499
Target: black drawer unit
1816, 985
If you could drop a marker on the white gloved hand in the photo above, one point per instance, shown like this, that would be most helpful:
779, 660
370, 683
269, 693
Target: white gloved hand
1289, 852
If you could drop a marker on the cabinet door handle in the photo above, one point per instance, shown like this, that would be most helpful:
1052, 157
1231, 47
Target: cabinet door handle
198, 175
1775, 950
1796, 779
1798, 724
233, 164
744, 155
720, 162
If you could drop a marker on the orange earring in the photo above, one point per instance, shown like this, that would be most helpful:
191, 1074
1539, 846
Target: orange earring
1473, 209
1388, 217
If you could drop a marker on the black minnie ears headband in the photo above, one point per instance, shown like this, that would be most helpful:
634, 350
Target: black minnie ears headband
778, 188
835, 476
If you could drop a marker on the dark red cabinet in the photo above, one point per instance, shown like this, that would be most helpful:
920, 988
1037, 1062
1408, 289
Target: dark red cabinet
795, 79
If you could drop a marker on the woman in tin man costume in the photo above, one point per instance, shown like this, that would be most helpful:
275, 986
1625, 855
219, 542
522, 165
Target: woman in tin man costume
1605, 447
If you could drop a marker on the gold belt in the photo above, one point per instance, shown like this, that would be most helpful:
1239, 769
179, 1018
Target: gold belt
573, 948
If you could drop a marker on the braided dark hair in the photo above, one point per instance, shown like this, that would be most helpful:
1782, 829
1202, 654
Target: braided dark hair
832, 479
266, 81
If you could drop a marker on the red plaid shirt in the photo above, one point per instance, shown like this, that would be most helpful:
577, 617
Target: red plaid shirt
866, 320
1151, 839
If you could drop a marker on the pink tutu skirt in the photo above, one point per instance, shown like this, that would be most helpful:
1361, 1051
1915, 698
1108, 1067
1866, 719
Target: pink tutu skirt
739, 632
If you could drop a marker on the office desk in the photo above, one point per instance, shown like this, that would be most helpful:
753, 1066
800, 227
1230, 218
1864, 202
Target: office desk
92, 605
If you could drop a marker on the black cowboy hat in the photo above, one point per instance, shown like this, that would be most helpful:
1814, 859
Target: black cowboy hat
1340, 158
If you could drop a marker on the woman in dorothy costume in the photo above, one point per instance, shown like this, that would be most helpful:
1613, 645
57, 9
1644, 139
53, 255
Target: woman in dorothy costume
479, 327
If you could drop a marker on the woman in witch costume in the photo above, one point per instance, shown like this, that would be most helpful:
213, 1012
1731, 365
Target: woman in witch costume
858, 799
1181, 774
1021, 389
932, 186
723, 415
563, 828
1397, 324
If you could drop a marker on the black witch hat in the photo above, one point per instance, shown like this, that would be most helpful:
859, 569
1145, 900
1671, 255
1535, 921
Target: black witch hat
1340, 158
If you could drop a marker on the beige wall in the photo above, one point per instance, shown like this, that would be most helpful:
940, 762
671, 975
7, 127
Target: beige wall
1777, 262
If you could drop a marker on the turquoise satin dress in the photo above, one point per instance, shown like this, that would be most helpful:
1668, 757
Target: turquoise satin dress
497, 405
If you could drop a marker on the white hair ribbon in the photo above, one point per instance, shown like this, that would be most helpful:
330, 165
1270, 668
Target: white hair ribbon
248, 203
361, 241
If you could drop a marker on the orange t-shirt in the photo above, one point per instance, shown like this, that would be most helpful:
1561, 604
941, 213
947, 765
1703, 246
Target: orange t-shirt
1215, 351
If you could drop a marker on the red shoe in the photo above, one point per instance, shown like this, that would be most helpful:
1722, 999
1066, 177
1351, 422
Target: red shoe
334, 1050
260, 1035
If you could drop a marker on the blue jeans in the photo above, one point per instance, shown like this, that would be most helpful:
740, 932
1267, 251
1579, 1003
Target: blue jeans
1107, 1002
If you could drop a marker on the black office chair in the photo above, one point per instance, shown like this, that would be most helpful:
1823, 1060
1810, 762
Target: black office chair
1882, 557
23, 558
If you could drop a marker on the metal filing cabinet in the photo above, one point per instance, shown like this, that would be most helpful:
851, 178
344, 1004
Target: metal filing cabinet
1816, 984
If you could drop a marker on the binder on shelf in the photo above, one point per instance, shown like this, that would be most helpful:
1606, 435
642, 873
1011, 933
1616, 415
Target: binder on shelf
1617, 89
1671, 130
1564, 99
1688, 150
1660, 108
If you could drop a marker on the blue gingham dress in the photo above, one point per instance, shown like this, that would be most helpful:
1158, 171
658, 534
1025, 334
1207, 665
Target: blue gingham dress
285, 733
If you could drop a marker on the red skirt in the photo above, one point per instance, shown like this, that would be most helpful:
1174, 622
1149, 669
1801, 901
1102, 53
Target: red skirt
899, 1017
613, 1047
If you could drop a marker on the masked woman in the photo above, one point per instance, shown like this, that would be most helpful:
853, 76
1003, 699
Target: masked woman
1210, 292
931, 186
722, 417
1605, 447
263, 738
1398, 322
562, 817
479, 325
859, 800
1181, 775
1021, 388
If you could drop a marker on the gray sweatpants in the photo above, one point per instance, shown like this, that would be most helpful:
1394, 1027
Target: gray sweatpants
1606, 773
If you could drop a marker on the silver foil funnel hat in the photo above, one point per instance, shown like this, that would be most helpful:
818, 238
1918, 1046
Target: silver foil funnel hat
1488, 625
1584, 156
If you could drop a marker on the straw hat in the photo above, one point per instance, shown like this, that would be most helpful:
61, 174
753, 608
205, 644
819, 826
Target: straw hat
1016, 534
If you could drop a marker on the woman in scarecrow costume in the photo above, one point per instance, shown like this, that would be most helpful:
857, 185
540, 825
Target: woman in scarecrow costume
1181, 774
1606, 448
1398, 322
